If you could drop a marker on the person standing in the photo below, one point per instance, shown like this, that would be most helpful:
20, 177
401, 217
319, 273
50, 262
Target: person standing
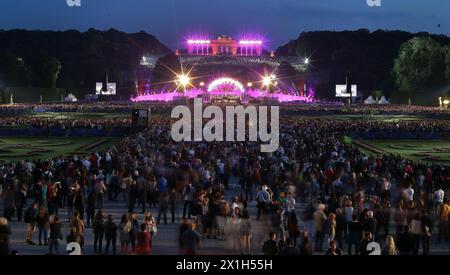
42, 220
152, 228
319, 219
190, 240
305, 248
125, 234
262, 201
163, 206
30, 219
161, 185
348, 213
389, 248
444, 212
329, 228
427, 229
270, 247
20, 201
5, 233
292, 225
368, 238
132, 195
143, 241
172, 203
78, 224
234, 227
333, 250
8, 196
134, 230
110, 235
405, 243
90, 208
354, 235
246, 232
55, 235
401, 218
415, 229
290, 249
99, 230
188, 196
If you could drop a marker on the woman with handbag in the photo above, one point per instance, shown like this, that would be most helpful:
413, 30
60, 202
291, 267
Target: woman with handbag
150, 222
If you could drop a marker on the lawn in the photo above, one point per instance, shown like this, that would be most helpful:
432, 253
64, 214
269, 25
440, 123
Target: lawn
19, 148
383, 118
427, 151
81, 115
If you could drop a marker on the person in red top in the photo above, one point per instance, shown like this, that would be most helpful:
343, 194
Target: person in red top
143, 241
409, 169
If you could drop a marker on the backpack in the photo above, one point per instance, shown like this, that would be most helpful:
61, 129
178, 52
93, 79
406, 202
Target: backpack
98, 226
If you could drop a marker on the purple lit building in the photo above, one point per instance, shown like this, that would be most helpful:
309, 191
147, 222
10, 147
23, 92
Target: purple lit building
224, 45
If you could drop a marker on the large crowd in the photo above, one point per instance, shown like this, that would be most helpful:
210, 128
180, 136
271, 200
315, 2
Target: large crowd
351, 198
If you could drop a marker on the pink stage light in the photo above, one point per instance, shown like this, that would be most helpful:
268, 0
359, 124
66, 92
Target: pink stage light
225, 80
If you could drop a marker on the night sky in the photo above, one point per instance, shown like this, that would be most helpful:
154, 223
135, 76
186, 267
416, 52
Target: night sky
277, 21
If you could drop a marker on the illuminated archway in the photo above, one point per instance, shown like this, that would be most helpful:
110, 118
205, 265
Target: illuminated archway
225, 81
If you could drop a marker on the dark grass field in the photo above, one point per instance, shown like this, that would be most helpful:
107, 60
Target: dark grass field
427, 151
20, 148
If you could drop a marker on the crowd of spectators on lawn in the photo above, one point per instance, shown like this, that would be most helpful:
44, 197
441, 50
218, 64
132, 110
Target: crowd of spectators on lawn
351, 198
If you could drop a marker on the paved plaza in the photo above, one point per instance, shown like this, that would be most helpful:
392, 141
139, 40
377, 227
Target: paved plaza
166, 240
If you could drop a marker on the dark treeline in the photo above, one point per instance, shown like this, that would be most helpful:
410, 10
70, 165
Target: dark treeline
72, 59
367, 58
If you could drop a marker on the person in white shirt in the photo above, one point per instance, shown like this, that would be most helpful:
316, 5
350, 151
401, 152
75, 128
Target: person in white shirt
438, 197
189, 196
86, 163
409, 193
348, 215
290, 204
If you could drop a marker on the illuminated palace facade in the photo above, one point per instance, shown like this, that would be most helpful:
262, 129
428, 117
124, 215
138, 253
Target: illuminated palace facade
230, 70
224, 45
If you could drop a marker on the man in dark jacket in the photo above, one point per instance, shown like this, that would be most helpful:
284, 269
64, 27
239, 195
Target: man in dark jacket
110, 235
55, 236
368, 238
20, 201
289, 249
270, 247
30, 220
405, 243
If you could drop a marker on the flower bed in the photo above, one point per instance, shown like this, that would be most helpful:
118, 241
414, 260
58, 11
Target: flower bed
91, 146
370, 148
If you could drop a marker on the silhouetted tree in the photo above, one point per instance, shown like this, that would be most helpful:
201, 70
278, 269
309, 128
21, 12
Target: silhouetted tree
420, 64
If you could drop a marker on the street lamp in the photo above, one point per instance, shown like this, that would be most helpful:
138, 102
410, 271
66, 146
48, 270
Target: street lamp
306, 61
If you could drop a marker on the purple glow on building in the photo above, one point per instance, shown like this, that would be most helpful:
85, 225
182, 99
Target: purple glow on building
199, 42
224, 45
250, 42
